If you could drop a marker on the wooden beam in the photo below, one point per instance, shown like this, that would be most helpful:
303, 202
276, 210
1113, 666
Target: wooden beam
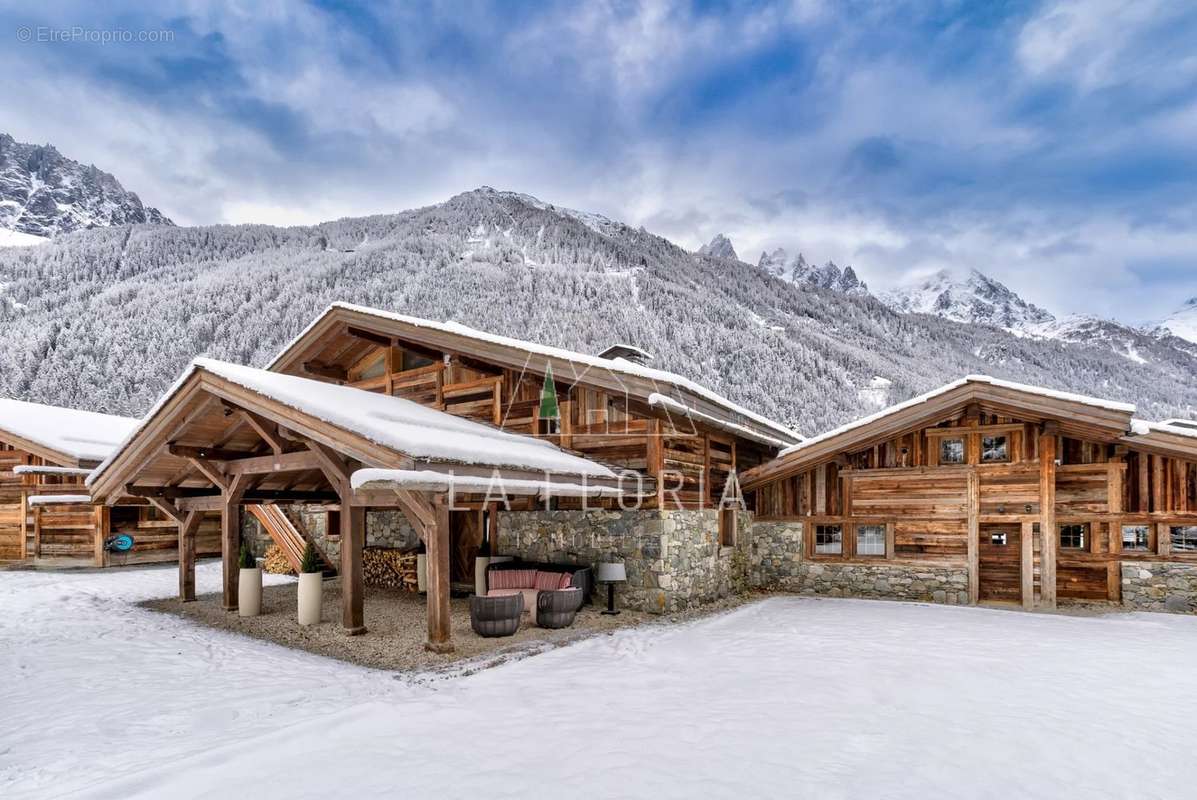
437, 545
264, 428
230, 537
973, 505
382, 340
187, 530
1027, 565
166, 507
322, 370
330, 463
209, 471
353, 538
206, 453
1048, 536
284, 462
101, 520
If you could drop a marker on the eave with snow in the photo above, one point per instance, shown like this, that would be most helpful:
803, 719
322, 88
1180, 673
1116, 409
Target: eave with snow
226, 436
1025, 493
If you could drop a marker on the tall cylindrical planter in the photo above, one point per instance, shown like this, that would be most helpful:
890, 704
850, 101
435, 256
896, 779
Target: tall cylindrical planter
311, 591
480, 565
249, 592
422, 572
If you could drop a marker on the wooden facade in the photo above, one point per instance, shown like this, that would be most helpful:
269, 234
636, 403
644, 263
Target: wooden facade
973, 476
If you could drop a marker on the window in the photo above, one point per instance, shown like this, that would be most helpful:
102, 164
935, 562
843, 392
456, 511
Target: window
829, 539
1135, 537
870, 540
548, 426
951, 451
1184, 538
1072, 537
994, 448
410, 360
998, 538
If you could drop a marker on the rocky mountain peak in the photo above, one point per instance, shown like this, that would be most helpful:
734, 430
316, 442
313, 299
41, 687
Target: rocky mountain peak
971, 298
44, 193
798, 270
719, 247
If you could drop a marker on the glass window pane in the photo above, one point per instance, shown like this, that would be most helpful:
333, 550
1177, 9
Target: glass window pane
1073, 537
870, 540
994, 448
998, 539
1184, 538
829, 539
1135, 537
951, 451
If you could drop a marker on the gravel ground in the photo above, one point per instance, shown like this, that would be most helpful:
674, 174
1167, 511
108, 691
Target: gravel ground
397, 628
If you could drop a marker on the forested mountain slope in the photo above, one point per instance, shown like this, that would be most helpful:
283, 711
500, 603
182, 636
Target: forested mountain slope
105, 319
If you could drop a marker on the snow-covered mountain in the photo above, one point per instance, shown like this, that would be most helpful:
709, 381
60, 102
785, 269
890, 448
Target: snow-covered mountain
1182, 323
971, 298
719, 247
795, 269
107, 318
43, 193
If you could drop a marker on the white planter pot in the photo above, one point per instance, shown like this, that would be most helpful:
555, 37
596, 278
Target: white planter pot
422, 572
480, 565
311, 592
249, 592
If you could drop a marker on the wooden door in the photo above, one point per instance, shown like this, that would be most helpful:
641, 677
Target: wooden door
1000, 551
12, 529
465, 537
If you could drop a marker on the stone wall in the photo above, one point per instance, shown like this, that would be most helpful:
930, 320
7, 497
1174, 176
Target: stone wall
673, 559
775, 555
884, 580
1159, 586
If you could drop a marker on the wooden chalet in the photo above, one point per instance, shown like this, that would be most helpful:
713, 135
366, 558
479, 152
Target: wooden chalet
226, 437
46, 513
1039, 494
613, 407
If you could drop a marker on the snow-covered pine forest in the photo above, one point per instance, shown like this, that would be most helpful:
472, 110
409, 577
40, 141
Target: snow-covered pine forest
105, 319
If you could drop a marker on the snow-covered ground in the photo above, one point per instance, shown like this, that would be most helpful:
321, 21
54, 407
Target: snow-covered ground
786, 697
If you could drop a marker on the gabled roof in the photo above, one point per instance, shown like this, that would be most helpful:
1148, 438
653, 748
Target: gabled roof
1079, 415
1166, 438
65, 436
616, 374
400, 427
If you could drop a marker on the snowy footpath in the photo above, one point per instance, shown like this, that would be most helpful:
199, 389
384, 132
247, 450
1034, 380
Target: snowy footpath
786, 697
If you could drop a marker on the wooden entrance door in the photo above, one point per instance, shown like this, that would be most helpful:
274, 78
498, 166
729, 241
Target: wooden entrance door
465, 537
1000, 554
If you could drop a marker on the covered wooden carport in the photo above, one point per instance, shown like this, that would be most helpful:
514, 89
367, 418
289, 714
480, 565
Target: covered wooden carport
225, 436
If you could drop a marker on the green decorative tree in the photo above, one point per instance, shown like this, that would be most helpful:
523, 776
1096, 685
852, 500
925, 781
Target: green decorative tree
550, 415
310, 562
247, 557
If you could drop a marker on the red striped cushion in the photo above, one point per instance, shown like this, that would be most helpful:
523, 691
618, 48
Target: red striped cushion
512, 578
547, 581
566, 580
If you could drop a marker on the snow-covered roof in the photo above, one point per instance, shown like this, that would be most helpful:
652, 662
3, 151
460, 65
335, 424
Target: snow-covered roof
26, 469
59, 499
1142, 427
76, 435
617, 365
1096, 402
401, 425
445, 481
1191, 424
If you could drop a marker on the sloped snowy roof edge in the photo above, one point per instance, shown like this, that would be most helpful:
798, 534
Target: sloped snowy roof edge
77, 434
616, 365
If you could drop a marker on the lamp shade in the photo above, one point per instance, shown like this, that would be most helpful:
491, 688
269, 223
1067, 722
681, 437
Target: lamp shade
611, 572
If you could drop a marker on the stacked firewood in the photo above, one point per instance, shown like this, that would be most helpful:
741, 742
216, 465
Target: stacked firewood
389, 568
276, 561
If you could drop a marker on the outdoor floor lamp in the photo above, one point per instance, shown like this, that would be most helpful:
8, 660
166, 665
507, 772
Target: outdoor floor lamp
611, 573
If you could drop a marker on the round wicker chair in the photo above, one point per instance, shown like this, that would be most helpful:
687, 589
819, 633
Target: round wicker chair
496, 616
557, 609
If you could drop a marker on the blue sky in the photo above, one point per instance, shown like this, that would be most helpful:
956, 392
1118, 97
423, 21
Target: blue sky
1052, 145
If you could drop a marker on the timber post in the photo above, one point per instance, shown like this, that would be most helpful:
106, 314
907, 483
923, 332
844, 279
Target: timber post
974, 536
187, 529
230, 537
1047, 516
353, 540
437, 545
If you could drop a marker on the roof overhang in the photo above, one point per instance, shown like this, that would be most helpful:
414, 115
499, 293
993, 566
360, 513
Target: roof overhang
1075, 415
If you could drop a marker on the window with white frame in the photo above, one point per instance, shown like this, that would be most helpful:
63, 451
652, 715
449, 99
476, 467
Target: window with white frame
1136, 537
951, 451
870, 540
1073, 537
1184, 538
829, 539
994, 449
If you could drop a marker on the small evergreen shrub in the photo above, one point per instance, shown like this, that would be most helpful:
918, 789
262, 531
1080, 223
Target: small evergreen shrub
310, 562
247, 557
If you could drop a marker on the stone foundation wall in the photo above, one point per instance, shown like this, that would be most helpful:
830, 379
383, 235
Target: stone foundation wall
1159, 586
775, 555
673, 559
932, 584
